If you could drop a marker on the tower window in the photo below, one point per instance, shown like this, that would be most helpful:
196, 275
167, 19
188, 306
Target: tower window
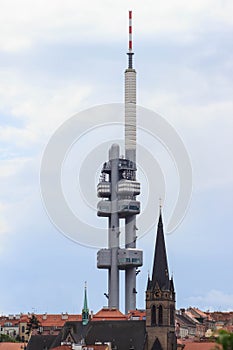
172, 318
153, 316
160, 315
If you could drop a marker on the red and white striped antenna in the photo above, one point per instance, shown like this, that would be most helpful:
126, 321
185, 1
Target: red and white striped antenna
130, 53
130, 32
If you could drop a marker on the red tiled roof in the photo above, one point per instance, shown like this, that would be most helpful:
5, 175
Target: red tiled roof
201, 313
24, 319
191, 316
56, 320
109, 314
201, 346
5, 319
49, 320
222, 316
136, 313
11, 346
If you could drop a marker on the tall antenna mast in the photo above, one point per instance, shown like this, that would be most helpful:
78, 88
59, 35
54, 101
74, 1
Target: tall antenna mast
130, 52
130, 101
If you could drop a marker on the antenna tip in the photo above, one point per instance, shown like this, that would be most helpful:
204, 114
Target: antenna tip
160, 203
130, 32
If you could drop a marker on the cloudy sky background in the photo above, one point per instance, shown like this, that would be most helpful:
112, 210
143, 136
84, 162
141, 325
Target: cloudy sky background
60, 57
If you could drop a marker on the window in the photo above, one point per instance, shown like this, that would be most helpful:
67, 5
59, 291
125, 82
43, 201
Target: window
172, 319
23, 329
160, 315
153, 316
133, 207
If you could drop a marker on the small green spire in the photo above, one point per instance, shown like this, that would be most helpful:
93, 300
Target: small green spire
85, 310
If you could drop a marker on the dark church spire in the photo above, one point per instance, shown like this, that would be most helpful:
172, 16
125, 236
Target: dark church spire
160, 299
160, 275
85, 310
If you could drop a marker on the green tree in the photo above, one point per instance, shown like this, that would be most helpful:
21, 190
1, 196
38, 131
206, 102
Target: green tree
4, 338
225, 339
33, 323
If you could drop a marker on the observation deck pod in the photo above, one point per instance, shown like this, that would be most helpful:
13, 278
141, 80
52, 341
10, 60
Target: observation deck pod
126, 207
128, 188
126, 164
104, 189
104, 259
126, 258
104, 208
130, 257
123, 164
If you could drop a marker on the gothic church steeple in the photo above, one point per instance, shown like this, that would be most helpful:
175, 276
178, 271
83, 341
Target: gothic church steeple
160, 299
85, 310
160, 277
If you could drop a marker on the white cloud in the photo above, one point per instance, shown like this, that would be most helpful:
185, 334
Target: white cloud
17, 136
25, 22
11, 167
40, 109
213, 300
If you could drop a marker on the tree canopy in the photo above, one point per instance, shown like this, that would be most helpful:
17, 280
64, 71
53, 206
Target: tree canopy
33, 323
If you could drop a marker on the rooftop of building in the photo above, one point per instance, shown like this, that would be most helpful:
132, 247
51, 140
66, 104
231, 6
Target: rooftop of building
136, 315
196, 312
118, 332
46, 320
57, 320
11, 346
40, 342
107, 313
9, 323
183, 320
201, 346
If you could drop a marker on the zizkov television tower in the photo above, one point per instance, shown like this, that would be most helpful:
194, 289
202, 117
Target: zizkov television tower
118, 189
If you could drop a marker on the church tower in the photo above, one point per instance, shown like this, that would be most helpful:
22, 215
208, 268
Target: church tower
85, 310
160, 300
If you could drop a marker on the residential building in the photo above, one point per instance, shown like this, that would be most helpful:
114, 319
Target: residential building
9, 325
185, 327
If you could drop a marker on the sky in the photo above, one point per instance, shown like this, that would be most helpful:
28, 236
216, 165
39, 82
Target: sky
58, 58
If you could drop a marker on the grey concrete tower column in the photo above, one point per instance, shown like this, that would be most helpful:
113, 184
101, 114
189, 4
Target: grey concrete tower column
113, 233
130, 153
